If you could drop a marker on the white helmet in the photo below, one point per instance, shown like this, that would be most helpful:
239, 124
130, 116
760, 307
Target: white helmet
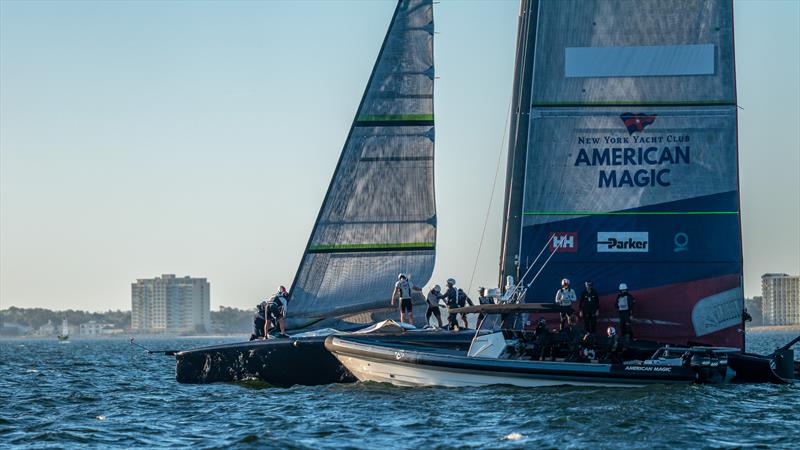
401, 276
565, 281
437, 288
611, 331
623, 287
451, 281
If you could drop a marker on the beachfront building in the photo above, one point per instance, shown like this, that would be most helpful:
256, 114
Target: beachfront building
168, 304
781, 299
93, 328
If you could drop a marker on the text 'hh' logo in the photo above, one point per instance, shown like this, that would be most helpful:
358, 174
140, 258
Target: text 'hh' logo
636, 122
564, 241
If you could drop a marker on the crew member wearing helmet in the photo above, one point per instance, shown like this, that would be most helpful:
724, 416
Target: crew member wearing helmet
259, 322
565, 297
588, 305
432, 299
464, 300
614, 348
483, 299
402, 291
451, 300
276, 312
625, 307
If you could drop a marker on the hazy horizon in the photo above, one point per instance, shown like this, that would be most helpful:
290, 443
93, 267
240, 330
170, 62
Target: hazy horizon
145, 138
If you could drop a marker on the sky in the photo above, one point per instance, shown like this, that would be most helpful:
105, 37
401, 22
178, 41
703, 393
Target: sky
199, 137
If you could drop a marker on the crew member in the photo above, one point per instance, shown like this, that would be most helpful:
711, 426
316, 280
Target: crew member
541, 341
565, 297
259, 322
625, 307
450, 297
432, 299
402, 291
464, 300
614, 348
275, 312
589, 304
483, 299
575, 335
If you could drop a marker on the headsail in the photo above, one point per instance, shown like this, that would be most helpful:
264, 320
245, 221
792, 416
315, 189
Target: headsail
379, 215
631, 161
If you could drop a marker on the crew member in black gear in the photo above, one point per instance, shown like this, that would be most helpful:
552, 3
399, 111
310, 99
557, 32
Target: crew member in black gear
541, 340
625, 307
483, 299
259, 322
276, 312
588, 304
575, 335
464, 300
614, 347
450, 298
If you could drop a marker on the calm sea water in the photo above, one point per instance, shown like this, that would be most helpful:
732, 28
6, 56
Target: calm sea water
106, 393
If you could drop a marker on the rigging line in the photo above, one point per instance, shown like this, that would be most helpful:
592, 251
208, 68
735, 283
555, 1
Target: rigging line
558, 245
532, 265
491, 196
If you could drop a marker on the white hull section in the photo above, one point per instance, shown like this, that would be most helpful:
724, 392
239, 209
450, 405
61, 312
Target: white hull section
402, 374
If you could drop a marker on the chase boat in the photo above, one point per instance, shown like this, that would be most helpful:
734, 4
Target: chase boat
503, 357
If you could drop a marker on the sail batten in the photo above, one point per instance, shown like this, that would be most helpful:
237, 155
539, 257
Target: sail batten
378, 216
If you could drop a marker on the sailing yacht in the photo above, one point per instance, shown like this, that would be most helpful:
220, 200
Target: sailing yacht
64, 331
378, 219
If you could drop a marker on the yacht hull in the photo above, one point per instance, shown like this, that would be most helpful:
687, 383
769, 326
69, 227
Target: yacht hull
409, 366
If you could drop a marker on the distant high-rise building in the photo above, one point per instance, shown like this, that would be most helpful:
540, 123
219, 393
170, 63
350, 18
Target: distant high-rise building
781, 299
170, 304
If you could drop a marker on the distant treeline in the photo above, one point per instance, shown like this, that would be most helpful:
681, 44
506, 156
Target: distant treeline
36, 317
226, 320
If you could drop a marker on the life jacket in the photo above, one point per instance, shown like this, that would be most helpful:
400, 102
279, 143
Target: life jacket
404, 287
624, 302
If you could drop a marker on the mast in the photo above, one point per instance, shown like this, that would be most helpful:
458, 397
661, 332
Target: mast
518, 140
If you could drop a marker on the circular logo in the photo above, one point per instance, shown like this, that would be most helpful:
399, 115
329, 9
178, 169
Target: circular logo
681, 241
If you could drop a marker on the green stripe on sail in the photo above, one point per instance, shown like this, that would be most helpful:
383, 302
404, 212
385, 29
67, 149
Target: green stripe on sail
325, 248
626, 213
395, 118
638, 103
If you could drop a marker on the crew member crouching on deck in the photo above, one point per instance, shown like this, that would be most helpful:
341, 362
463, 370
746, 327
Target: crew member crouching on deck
259, 322
276, 312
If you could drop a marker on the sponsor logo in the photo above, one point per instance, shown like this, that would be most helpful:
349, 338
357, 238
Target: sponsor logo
636, 123
681, 241
564, 241
623, 241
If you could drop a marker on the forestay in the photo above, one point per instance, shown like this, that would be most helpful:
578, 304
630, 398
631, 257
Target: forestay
379, 215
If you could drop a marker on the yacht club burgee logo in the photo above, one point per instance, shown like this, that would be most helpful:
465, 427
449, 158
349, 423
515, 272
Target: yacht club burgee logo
636, 122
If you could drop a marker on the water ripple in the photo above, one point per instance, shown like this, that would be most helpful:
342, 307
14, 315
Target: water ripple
106, 394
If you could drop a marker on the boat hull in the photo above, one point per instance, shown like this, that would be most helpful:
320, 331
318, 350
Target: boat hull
410, 366
288, 362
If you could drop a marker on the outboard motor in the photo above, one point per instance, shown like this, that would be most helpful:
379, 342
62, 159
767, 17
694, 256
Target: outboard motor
711, 366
